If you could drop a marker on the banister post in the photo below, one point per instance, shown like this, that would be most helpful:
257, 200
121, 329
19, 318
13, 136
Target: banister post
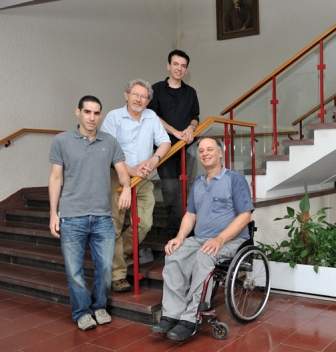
321, 67
184, 179
274, 103
135, 222
253, 165
226, 146
232, 132
301, 130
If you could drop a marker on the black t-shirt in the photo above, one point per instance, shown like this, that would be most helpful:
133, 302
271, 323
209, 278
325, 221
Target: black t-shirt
176, 106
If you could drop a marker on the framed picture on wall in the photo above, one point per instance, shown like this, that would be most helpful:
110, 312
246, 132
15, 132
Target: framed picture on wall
237, 18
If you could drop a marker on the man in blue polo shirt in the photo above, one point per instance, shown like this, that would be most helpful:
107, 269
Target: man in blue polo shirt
80, 208
137, 130
219, 210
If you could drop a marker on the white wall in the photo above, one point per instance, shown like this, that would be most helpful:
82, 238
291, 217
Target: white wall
54, 53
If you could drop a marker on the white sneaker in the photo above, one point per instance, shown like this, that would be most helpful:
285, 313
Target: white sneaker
102, 317
86, 322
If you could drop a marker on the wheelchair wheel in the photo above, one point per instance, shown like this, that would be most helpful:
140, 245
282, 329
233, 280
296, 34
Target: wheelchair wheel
247, 284
220, 330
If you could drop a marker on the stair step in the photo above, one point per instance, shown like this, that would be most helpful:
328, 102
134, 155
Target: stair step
53, 286
289, 142
37, 256
321, 126
152, 271
258, 172
277, 158
51, 258
30, 215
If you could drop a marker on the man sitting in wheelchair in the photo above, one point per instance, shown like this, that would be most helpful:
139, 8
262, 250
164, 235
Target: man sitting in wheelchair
219, 210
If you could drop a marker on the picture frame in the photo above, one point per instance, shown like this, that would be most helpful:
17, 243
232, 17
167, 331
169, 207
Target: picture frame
237, 18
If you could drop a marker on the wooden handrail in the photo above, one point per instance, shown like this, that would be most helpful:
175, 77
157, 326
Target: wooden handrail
8, 140
314, 109
279, 70
200, 128
260, 134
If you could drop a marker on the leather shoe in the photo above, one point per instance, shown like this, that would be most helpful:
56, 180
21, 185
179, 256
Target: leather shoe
182, 331
164, 325
121, 285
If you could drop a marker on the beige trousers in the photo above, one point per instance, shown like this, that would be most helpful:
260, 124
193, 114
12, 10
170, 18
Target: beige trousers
124, 237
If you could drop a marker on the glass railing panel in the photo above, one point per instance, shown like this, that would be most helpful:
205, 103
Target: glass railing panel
330, 75
298, 89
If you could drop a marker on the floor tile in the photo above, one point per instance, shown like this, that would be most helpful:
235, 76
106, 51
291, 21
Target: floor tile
289, 324
88, 347
316, 334
24, 339
286, 348
123, 336
331, 347
263, 339
150, 343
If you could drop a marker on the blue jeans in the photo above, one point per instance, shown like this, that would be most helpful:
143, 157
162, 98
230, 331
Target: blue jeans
98, 233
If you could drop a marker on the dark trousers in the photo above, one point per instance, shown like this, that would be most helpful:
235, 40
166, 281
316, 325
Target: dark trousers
169, 174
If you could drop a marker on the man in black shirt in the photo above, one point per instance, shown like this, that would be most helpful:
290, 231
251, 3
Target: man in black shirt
176, 104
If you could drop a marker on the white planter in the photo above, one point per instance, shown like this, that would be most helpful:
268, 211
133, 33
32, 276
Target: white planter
303, 279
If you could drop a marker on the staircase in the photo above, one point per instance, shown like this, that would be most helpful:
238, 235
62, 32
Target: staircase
31, 261
309, 161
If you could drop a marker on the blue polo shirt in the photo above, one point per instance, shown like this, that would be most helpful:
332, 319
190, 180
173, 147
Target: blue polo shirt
217, 202
136, 138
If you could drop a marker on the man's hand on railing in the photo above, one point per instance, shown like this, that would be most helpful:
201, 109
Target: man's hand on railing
188, 135
146, 167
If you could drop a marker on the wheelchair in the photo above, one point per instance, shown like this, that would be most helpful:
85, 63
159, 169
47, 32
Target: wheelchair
246, 282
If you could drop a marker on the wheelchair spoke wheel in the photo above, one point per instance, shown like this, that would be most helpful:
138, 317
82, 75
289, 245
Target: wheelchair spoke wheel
247, 284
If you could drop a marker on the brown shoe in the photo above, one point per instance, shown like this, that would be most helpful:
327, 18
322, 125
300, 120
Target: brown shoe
121, 285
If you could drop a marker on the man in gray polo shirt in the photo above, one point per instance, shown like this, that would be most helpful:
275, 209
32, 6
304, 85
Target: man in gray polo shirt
219, 210
80, 208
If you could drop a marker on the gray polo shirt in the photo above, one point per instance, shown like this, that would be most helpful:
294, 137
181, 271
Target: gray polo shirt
86, 172
218, 202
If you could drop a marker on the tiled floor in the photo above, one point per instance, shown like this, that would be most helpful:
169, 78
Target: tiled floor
290, 324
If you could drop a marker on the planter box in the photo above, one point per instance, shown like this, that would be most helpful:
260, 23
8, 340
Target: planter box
303, 279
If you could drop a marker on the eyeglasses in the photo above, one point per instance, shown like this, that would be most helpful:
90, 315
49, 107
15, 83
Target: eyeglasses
139, 96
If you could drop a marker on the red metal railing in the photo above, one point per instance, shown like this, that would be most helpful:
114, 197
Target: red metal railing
321, 67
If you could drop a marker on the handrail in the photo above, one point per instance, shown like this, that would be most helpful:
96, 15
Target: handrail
279, 70
8, 140
311, 111
200, 128
260, 134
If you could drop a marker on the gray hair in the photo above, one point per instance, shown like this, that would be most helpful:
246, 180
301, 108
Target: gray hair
142, 83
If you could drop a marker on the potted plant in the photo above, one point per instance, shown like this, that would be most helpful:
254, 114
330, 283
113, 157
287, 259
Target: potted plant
310, 251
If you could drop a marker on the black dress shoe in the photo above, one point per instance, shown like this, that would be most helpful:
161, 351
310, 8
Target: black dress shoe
164, 325
182, 331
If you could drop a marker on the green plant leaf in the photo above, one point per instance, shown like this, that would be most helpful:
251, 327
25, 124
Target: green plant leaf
290, 212
316, 268
304, 253
304, 203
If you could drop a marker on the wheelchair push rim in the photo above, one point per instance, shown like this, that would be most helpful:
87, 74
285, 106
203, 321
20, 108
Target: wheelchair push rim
247, 284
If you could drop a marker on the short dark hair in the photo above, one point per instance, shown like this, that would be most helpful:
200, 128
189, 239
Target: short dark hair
178, 53
90, 98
